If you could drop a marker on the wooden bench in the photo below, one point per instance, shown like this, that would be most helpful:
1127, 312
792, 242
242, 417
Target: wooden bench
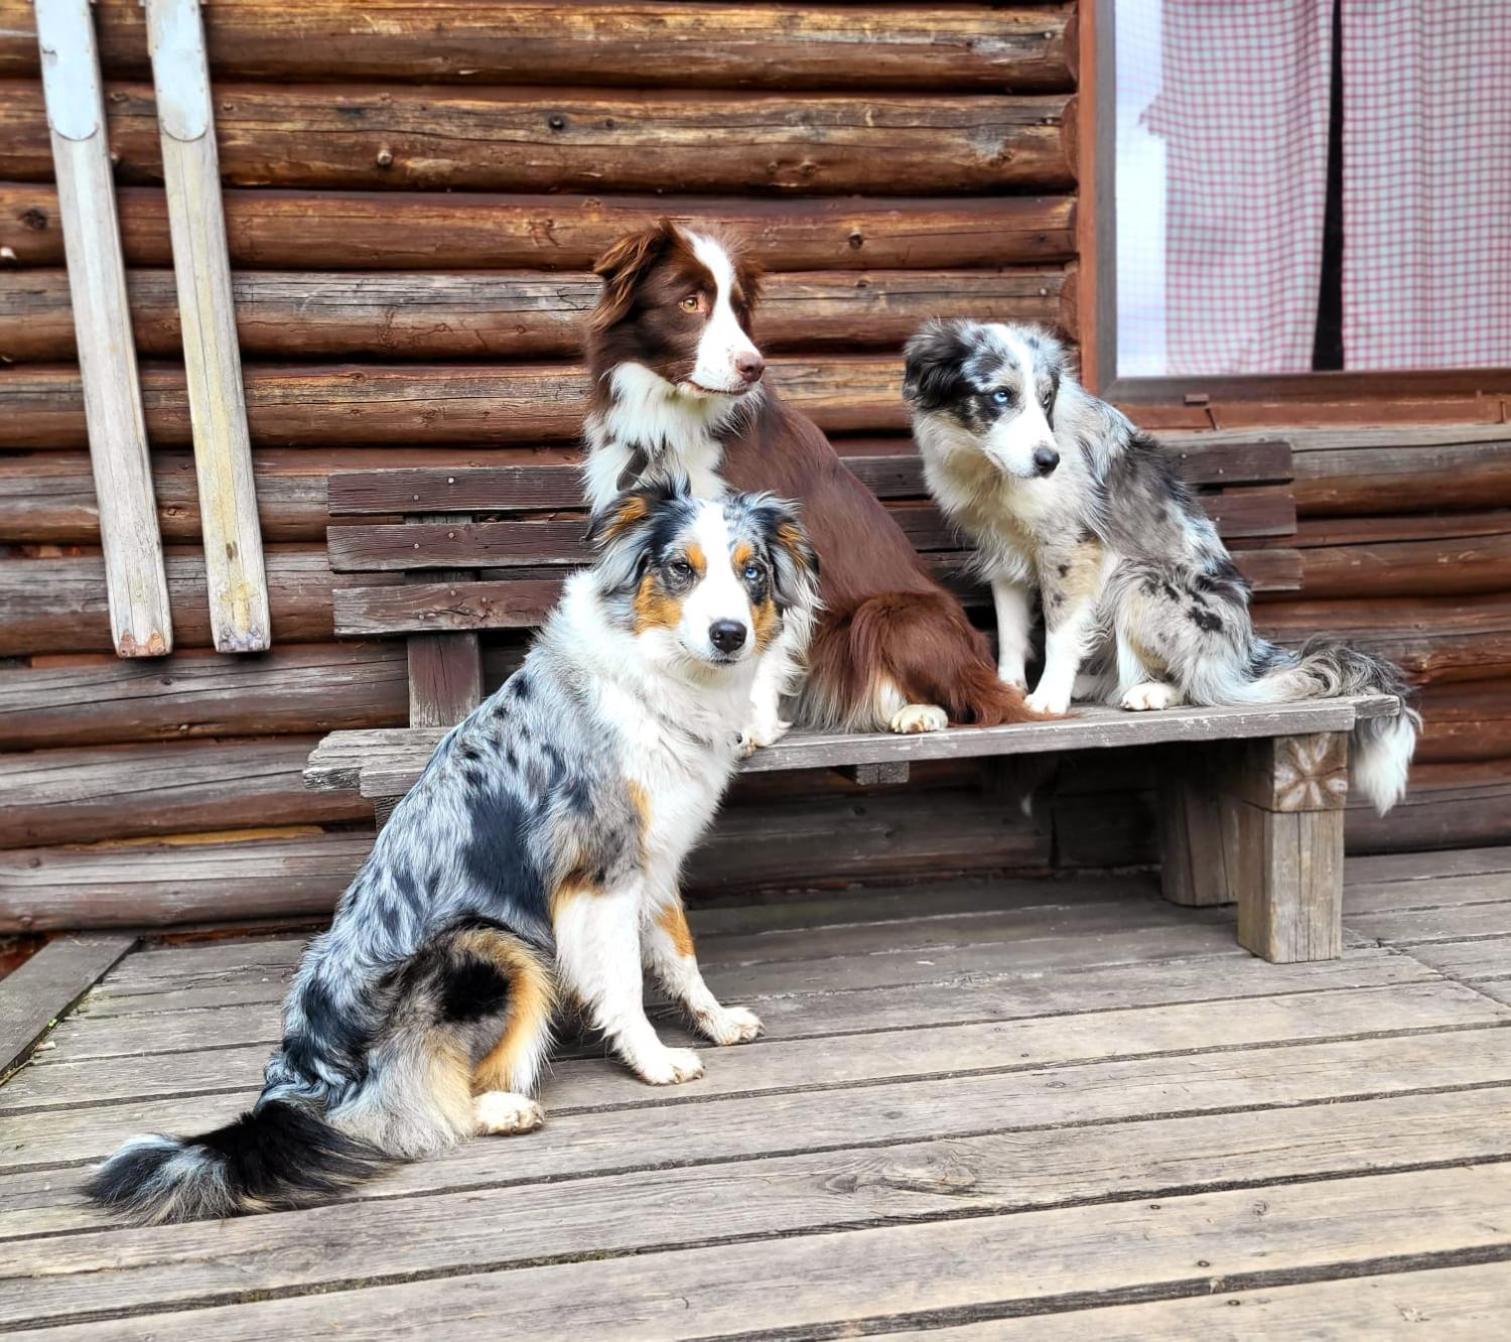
1255, 815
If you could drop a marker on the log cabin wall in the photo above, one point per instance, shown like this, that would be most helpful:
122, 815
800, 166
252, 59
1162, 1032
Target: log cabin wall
414, 193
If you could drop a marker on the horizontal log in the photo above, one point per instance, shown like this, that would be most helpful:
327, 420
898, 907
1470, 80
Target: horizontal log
1442, 565
645, 44
1465, 720
1350, 471
515, 139
416, 403
115, 792
504, 315
1446, 806
50, 496
1463, 638
59, 605
160, 884
763, 845
292, 689
1371, 529
363, 230
1228, 459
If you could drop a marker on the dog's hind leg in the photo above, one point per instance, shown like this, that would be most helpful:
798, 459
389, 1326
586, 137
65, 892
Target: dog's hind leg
1139, 688
470, 1011
504, 1080
666, 946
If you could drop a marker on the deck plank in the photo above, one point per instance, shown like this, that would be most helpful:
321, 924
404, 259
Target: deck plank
1465, 1303
45, 986
976, 1101
1003, 995
720, 1127
772, 1064
118, 1270
1085, 1253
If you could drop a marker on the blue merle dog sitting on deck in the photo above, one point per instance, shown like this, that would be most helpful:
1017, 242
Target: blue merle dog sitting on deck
538, 856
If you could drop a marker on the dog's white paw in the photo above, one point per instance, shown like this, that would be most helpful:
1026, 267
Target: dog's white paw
1152, 694
913, 718
760, 734
669, 1067
1013, 675
730, 1025
502, 1112
1048, 701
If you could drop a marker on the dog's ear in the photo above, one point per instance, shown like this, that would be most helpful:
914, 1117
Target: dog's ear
794, 561
934, 372
622, 266
623, 533
620, 533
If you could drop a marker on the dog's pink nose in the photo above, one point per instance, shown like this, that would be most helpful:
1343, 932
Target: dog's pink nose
750, 366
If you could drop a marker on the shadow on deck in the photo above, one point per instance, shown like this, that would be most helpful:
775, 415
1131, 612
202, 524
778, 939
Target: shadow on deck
981, 1110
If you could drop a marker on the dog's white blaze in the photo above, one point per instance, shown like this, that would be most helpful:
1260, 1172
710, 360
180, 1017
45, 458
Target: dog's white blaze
719, 595
723, 338
1013, 439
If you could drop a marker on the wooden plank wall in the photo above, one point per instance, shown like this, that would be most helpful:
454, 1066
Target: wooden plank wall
415, 189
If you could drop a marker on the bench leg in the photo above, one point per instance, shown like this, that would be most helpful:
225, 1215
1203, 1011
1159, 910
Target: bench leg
1290, 902
1193, 869
1262, 824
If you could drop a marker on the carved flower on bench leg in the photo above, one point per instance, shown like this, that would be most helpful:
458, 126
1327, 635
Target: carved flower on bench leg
1311, 773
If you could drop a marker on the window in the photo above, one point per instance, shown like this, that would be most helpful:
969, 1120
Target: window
1304, 186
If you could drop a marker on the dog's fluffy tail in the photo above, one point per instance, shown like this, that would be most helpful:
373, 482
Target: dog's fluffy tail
1326, 668
275, 1157
922, 644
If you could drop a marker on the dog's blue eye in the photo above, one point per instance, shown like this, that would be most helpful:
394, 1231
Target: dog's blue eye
1001, 397
752, 572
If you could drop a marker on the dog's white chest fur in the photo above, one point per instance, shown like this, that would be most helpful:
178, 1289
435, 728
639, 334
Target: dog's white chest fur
681, 763
1008, 518
648, 424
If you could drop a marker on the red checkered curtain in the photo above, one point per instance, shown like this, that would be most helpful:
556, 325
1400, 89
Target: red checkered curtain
1426, 183
1243, 112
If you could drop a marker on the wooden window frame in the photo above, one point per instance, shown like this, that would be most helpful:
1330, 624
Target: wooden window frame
1097, 238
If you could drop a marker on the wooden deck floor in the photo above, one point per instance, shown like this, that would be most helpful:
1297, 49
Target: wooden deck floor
1052, 1110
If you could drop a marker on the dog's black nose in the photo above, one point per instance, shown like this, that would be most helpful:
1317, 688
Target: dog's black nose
727, 635
1045, 460
750, 366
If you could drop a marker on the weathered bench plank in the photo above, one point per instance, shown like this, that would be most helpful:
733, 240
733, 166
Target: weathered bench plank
385, 763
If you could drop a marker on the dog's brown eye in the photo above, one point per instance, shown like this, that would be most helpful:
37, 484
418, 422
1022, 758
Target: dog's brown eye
680, 570
691, 303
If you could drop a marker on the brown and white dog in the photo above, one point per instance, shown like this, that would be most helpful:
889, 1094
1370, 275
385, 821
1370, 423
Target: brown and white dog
678, 392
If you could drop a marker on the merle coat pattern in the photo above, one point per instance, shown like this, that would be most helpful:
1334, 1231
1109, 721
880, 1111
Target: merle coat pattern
536, 858
1066, 499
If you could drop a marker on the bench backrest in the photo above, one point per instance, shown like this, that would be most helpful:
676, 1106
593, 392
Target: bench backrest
442, 554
